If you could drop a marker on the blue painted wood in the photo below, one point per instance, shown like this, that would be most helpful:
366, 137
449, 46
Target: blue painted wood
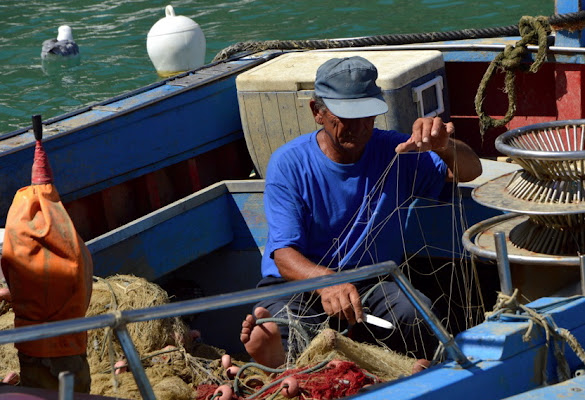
567, 38
143, 133
249, 221
571, 389
502, 339
483, 381
227, 214
139, 133
166, 239
520, 372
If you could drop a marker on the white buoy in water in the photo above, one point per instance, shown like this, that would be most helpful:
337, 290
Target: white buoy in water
175, 44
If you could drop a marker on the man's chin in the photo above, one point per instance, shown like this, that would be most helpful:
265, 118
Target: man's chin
353, 148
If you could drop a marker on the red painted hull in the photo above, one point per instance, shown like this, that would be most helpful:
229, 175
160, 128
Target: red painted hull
115, 206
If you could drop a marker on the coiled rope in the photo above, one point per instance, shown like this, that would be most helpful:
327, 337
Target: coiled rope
511, 305
569, 21
534, 30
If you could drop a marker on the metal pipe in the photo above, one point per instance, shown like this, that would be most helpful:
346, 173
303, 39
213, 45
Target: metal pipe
452, 349
503, 264
582, 265
52, 329
66, 385
455, 47
255, 295
135, 363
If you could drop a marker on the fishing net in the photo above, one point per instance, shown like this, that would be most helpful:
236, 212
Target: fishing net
179, 369
331, 367
386, 364
164, 345
8, 358
125, 292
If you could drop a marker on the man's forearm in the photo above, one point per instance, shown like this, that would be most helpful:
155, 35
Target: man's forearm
294, 266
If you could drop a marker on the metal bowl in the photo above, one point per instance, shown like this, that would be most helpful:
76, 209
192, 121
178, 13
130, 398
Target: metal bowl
550, 150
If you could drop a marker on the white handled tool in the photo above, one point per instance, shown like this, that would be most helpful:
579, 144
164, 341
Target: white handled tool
382, 323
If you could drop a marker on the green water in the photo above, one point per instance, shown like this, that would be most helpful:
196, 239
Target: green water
112, 38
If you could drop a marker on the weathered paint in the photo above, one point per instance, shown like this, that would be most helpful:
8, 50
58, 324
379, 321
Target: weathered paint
569, 93
521, 370
141, 159
568, 38
571, 389
165, 239
558, 88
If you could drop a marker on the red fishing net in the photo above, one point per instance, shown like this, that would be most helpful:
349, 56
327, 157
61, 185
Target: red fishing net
336, 380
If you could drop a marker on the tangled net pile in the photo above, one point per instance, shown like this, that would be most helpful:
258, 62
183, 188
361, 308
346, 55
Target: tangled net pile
177, 367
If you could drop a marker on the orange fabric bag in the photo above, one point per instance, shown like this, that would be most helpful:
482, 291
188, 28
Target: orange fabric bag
46, 264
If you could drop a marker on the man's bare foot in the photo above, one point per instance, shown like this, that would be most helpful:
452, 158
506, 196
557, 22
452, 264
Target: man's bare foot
262, 342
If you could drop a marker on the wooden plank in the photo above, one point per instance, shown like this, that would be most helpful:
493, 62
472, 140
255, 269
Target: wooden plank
256, 130
288, 115
304, 114
249, 222
274, 126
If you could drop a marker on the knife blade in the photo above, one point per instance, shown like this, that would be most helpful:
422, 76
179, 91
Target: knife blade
382, 323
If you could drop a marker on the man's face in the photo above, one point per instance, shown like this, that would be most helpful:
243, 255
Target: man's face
349, 136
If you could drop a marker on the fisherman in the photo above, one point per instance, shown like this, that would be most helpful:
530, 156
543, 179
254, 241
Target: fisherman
328, 190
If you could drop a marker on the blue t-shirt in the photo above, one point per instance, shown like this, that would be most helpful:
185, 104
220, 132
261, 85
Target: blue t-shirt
345, 215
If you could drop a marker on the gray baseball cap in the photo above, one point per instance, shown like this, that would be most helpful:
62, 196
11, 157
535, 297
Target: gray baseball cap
348, 87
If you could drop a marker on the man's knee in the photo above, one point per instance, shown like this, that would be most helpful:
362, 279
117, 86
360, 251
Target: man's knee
406, 312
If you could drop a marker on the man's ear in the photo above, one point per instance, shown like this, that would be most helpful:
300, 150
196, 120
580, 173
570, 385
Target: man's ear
316, 112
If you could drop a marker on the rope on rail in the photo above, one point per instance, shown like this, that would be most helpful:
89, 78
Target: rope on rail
570, 21
554, 334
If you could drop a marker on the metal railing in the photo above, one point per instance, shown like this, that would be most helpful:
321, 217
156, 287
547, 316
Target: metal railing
118, 320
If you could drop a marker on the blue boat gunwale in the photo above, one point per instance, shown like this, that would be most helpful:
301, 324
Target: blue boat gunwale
182, 233
170, 211
241, 65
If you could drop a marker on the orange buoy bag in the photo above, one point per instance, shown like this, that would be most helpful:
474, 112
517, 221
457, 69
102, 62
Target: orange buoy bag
48, 269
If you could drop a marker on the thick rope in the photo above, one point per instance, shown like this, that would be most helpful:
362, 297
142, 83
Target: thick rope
377, 40
534, 30
510, 304
570, 21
